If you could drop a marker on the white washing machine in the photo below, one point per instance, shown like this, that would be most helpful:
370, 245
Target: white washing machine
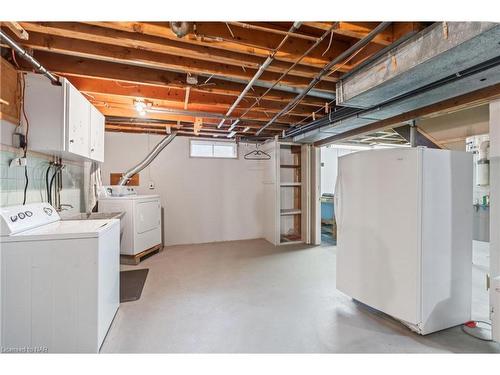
142, 220
60, 280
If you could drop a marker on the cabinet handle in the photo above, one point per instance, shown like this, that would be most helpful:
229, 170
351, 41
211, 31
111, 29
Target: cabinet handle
71, 141
91, 150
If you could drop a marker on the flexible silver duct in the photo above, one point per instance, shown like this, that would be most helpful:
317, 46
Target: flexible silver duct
148, 159
26, 56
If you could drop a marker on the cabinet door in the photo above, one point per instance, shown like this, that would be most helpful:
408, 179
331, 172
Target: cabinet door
78, 122
96, 134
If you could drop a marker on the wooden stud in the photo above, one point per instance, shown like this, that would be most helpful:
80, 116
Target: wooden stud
17, 29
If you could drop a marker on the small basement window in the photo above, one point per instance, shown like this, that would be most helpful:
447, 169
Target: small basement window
213, 149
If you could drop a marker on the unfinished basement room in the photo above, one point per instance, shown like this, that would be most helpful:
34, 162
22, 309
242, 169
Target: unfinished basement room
259, 181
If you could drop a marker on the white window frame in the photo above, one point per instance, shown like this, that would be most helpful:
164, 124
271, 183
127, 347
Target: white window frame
212, 142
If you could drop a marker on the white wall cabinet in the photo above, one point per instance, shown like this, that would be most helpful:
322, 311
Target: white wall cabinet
78, 122
96, 134
62, 121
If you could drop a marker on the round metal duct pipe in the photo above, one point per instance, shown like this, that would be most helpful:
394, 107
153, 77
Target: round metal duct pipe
180, 29
148, 159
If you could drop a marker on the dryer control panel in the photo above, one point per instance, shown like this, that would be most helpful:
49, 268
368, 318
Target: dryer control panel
15, 219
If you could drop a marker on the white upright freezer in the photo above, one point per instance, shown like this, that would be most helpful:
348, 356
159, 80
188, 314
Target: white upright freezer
404, 234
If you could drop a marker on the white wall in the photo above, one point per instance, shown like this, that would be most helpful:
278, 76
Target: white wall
204, 200
12, 179
452, 129
329, 158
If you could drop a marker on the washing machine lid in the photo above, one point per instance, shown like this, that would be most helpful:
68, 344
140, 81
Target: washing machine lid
62, 230
19, 218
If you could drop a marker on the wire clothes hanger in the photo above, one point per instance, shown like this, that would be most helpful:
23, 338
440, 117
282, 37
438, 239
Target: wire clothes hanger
257, 154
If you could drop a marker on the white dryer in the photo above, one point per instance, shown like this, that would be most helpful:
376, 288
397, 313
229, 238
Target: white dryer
142, 220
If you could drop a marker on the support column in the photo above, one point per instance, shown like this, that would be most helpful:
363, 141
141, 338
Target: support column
413, 133
495, 214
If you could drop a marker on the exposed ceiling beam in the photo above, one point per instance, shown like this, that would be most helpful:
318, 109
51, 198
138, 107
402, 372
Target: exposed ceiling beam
117, 34
216, 35
252, 26
119, 110
357, 30
161, 123
82, 67
16, 29
115, 100
151, 92
133, 56
162, 129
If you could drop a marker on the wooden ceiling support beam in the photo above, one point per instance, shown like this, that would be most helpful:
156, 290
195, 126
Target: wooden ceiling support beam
104, 100
357, 30
133, 56
153, 92
111, 120
82, 67
217, 36
16, 29
163, 130
112, 34
218, 109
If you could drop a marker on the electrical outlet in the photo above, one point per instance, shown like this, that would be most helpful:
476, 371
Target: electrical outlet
18, 162
151, 185
18, 140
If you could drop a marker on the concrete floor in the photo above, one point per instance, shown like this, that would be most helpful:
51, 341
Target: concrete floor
252, 297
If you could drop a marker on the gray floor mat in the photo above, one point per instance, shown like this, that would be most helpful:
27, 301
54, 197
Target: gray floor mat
131, 284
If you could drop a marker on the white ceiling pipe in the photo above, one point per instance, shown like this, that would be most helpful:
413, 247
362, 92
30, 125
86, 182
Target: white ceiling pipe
26, 56
326, 69
240, 97
258, 73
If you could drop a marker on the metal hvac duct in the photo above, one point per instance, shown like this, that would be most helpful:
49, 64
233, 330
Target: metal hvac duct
180, 28
326, 70
148, 159
434, 53
469, 82
465, 60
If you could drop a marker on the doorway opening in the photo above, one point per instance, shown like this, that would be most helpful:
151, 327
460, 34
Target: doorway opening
329, 162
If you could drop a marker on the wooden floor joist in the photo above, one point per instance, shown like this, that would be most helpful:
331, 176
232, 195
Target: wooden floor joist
116, 64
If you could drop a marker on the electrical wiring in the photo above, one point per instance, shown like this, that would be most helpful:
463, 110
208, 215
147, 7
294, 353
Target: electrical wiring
47, 183
25, 185
23, 90
257, 100
58, 169
336, 68
329, 44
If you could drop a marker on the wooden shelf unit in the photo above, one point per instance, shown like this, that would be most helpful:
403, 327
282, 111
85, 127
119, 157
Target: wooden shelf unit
286, 192
290, 172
